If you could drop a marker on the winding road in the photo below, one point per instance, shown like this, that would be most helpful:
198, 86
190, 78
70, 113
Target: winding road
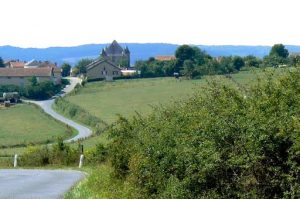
29, 183
46, 105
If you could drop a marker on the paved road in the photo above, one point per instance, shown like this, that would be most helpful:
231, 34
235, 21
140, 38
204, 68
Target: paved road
34, 184
21, 183
46, 105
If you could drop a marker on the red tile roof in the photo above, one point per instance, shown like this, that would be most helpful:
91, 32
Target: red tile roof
165, 57
25, 72
17, 64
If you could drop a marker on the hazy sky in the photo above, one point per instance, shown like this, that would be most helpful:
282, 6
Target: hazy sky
43, 23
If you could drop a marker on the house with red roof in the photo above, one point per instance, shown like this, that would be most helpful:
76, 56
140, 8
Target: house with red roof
20, 76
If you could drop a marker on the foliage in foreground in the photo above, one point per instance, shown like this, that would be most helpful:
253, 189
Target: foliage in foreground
222, 143
101, 184
61, 153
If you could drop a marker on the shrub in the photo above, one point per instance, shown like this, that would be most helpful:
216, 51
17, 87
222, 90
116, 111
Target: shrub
59, 153
96, 155
217, 144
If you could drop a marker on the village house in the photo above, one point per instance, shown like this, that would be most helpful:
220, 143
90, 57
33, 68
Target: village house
39, 64
102, 69
17, 72
20, 76
112, 59
165, 58
14, 64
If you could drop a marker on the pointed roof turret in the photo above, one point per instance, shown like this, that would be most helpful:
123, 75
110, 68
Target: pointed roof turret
103, 53
114, 48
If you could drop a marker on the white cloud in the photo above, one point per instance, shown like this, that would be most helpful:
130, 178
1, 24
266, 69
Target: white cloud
42, 23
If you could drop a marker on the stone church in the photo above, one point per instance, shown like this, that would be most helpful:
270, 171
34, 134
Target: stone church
117, 55
109, 65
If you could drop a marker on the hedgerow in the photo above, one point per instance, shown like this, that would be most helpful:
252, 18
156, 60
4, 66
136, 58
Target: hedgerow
224, 142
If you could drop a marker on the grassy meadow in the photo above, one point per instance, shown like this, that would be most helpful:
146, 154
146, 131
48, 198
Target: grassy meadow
106, 100
26, 124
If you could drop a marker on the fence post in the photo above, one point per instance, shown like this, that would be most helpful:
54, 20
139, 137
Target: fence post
16, 160
81, 161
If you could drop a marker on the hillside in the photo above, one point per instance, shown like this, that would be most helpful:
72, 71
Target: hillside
138, 51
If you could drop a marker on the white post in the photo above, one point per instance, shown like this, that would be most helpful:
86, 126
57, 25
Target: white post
16, 160
81, 161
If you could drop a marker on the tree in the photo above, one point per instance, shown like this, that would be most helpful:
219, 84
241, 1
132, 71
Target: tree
238, 62
33, 81
81, 65
1, 63
251, 61
279, 50
66, 68
295, 60
278, 56
184, 52
188, 68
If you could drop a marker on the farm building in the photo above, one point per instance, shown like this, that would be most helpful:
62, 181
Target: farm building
165, 57
112, 59
19, 76
102, 69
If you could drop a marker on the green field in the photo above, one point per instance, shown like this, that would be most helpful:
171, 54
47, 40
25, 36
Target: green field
125, 97
107, 99
26, 124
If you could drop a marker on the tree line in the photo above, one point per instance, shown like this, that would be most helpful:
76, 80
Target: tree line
34, 89
192, 62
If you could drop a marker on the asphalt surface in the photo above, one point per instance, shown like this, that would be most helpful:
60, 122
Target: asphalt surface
46, 105
35, 184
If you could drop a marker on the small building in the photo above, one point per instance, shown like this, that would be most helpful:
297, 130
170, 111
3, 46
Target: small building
14, 64
165, 58
32, 64
128, 72
102, 69
19, 76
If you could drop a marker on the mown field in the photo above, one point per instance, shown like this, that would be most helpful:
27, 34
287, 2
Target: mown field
25, 124
106, 100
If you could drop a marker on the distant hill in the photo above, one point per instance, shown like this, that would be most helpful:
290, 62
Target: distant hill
138, 51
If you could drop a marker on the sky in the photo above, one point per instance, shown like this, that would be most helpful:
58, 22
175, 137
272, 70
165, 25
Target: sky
45, 23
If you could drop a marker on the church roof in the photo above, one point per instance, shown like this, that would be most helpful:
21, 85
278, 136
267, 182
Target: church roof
114, 48
100, 61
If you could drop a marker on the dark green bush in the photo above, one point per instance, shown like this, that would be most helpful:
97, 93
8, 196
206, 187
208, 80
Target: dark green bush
97, 154
224, 142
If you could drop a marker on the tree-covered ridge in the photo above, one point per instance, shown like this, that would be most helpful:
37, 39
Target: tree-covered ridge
225, 142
